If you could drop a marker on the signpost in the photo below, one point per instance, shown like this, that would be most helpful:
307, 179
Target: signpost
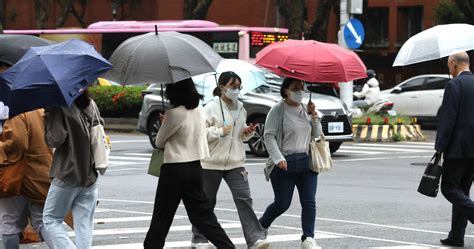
354, 33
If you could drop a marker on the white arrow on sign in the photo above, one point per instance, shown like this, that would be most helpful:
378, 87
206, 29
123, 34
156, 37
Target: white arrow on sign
354, 33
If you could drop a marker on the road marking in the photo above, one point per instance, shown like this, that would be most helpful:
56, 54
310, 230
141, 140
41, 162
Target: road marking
345, 149
138, 154
378, 158
128, 141
361, 147
128, 158
423, 143
395, 145
236, 241
123, 219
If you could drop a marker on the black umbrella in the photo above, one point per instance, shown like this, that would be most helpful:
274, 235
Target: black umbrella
13, 47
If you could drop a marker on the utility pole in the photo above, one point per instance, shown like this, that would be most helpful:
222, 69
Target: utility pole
345, 89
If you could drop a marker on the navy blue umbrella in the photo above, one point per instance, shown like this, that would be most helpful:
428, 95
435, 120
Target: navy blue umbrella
52, 75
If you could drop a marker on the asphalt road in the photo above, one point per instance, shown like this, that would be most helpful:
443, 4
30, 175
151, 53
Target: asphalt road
368, 200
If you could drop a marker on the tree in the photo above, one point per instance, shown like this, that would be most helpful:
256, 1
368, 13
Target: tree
3, 7
41, 13
318, 30
68, 7
467, 8
196, 9
125, 8
293, 12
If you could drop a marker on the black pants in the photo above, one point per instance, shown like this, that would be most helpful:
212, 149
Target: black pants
183, 181
455, 186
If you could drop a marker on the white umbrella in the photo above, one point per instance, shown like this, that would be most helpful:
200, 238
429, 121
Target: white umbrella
436, 42
251, 76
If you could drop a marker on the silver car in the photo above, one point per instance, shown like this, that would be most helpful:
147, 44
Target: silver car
336, 121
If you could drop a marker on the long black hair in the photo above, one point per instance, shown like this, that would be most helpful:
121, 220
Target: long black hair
183, 93
224, 78
83, 100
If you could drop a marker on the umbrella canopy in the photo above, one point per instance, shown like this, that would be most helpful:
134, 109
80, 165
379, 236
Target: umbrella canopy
251, 76
436, 42
52, 75
13, 47
312, 61
165, 57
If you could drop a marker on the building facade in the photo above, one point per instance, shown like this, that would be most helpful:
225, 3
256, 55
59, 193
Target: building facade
388, 23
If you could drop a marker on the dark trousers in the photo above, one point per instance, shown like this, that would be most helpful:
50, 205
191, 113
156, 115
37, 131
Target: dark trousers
183, 181
283, 183
455, 186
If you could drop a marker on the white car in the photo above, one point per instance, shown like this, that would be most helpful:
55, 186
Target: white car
419, 96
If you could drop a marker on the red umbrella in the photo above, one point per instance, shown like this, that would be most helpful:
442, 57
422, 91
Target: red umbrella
312, 61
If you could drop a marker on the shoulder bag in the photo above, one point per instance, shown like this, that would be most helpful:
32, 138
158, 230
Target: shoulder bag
156, 162
99, 145
320, 155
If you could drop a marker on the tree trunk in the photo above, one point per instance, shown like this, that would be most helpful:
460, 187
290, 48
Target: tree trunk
318, 30
80, 15
41, 13
3, 6
189, 6
295, 20
66, 9
283, 8
200, 12
467, 8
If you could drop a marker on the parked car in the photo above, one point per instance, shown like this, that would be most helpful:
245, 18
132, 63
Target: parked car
419, 96
336, 121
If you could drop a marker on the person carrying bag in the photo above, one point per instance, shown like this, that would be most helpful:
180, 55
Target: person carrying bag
288, 132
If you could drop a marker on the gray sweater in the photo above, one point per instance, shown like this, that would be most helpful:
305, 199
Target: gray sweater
273, 134
67, 130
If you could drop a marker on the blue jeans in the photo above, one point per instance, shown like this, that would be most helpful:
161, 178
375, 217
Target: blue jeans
283, 183
61, 198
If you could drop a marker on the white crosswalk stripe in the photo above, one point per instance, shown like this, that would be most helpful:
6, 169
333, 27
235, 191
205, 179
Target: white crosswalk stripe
385, 148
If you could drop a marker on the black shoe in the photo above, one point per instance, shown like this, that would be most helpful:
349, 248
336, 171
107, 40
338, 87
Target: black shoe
451, 242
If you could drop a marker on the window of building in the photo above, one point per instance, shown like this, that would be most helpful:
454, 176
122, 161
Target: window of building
409, 22
376, 27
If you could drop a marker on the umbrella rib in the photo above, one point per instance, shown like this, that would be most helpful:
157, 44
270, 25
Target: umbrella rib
340, 61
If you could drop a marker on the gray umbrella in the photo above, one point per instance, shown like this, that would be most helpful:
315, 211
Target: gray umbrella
13, 47
165, 57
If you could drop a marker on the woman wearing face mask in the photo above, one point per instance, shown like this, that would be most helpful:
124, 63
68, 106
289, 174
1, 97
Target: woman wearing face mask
288, 130
226, 133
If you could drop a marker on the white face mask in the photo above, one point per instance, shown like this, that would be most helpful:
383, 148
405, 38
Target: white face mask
232, 94
296, 96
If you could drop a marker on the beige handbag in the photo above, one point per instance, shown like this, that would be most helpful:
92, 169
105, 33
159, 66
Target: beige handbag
319, 155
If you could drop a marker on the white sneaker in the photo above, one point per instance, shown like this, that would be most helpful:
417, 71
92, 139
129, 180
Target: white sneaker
260, 244
201, 245
309, 243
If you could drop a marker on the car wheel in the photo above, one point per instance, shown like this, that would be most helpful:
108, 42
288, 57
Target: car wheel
334, 146
256, 143
153, 127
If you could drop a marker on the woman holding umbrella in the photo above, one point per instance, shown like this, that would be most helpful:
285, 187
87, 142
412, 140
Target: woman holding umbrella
288, 131
183, 137
226, 133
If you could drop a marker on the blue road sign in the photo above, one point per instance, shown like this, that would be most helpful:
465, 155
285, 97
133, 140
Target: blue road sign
354, 33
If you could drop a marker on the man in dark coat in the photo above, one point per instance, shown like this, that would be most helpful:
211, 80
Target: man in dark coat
455, 139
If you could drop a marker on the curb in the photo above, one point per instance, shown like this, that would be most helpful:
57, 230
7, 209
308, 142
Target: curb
372, 133
384, 133
121, 124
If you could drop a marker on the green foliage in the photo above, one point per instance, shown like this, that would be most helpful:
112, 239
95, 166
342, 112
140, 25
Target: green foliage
118, 101
397, 137
379, 120
448, 12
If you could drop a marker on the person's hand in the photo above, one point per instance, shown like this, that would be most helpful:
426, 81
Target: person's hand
162, 118
250, 129
283, 165
311, 108
226, 129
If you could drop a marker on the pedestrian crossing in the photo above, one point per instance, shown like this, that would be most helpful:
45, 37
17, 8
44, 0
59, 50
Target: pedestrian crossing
138, 161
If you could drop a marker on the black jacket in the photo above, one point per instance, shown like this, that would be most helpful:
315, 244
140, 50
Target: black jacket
455, 136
